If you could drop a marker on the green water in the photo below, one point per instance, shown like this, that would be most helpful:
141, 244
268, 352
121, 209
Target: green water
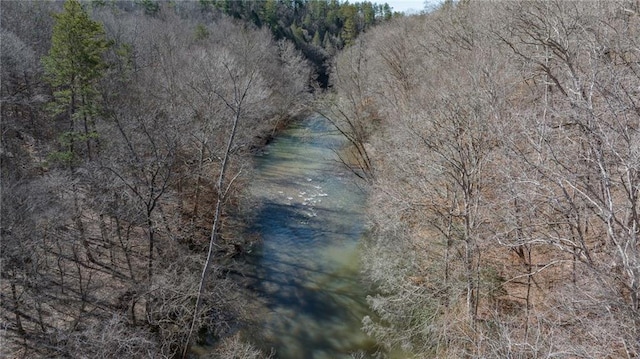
306, 269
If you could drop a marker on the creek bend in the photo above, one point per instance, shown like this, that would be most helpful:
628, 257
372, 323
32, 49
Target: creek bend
305, 269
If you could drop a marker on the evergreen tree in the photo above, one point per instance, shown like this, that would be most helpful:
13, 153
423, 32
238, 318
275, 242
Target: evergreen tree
350, 28
316, 39
386, 11
369, 13
270, 16
151, 7
297, 34
73, 66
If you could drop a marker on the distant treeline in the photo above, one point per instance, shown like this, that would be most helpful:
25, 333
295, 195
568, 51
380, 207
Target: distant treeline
319, 28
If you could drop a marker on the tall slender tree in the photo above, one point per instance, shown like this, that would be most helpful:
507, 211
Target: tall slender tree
74, 66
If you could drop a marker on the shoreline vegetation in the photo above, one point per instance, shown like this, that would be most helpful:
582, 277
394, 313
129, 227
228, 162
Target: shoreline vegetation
501, 146
109, 148
116, 117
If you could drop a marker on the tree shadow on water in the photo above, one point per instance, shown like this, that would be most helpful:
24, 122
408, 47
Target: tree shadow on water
307, 297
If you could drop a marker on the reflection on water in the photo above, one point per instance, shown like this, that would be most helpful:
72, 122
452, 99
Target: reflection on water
306, 268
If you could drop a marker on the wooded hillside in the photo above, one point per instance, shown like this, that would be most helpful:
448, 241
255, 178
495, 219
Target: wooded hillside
319, 28
501, 141
116, 122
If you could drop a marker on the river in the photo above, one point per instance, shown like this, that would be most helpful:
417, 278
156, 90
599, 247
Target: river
305, 270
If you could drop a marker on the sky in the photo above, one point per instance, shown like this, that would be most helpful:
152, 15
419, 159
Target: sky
407, 6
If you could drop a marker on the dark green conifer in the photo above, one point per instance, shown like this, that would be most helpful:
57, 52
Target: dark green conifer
73, 67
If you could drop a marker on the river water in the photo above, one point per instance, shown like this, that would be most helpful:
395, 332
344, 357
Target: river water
306, 268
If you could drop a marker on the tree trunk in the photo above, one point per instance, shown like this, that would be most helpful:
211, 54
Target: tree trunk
86, 128
214, 230
196, 196
16, 304
149, 264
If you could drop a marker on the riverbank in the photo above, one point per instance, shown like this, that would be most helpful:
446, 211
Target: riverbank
504, 198
107, 192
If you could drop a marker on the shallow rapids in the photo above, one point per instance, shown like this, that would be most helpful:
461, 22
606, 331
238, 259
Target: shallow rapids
306, 268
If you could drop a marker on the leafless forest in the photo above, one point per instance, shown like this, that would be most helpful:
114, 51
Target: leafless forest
110, 172
501, 142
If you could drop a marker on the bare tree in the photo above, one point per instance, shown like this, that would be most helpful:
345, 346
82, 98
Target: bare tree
106, 255
244, 89
506, 171
585, 139
351, 112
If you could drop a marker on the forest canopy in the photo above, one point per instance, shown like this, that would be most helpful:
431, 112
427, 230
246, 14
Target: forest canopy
501, 144
115, 119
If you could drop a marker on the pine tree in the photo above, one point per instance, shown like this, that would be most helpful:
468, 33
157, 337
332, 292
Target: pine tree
316, 39
350, 28
369, 13
270, 14
73, 67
